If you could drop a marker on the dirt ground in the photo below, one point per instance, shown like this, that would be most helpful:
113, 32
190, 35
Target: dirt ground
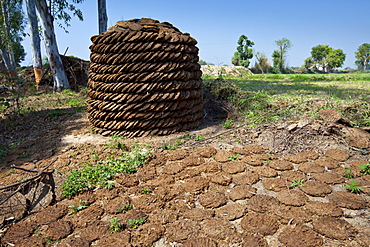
230, 189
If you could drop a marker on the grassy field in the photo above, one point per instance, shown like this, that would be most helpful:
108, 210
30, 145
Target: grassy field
296, 96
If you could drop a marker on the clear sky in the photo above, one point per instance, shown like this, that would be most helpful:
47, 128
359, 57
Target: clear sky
217, 25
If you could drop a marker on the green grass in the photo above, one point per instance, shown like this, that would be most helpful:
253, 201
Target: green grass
296, 96
103, 173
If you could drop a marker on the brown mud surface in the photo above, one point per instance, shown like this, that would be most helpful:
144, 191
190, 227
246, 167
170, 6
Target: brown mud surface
229, 190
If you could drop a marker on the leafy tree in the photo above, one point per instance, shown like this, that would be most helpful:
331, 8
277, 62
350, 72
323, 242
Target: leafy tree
363, 56
11, 34
279, 55
243, 52
325, 58
336, 59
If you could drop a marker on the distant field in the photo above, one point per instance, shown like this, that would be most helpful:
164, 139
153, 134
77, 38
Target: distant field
347, 93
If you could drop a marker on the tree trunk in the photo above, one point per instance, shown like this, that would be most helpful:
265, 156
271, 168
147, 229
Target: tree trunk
8, 65
51, 47
8, 47
35, 40
102, 15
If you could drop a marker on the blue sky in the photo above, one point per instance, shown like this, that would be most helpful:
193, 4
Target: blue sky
217, 25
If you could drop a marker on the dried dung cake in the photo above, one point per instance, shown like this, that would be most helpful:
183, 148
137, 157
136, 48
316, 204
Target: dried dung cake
144, 79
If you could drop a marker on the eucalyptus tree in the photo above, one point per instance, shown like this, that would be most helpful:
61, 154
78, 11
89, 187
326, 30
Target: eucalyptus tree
35, 40
11, 34
102, 16
56, 10
279, 55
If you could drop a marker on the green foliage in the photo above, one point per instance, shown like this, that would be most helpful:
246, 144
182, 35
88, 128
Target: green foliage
61, 10
365, 168
55, 113
243, 52
114, 142
348, 173
165, 146
235, 157
326, 59
12, 29
199, 138
363, 56
76, 103
297, 182
102, 174
279, 56
82, 205
3, 150
116, 225
23, 155
136, 223
146, 190
352, 187
124, 207
228, 124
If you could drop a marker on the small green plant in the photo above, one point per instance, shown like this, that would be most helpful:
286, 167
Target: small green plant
23, 155
124, 207
76, 103
170, 147
136, 223
95, 154
115, 143
55, 113
228, 124
237, 140
184, 137
146, 190
116, 225
348, 173
352, 187
235, 157
82, 205
199, 137
365, 168
296, 182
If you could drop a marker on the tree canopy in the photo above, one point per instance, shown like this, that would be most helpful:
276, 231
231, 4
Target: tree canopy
61, 9
243, 52
325, 58
279, 56
363, 56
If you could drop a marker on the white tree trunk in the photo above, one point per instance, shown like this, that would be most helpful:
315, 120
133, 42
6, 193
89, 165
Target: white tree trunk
51, 47
35, 40
102, 16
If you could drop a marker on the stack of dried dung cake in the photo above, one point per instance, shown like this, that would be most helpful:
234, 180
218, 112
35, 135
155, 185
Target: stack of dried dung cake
144, 79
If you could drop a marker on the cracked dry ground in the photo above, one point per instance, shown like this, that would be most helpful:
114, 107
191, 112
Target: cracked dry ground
198, 196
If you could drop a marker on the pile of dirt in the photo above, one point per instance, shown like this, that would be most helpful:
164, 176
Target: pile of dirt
216, 70
144, 80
